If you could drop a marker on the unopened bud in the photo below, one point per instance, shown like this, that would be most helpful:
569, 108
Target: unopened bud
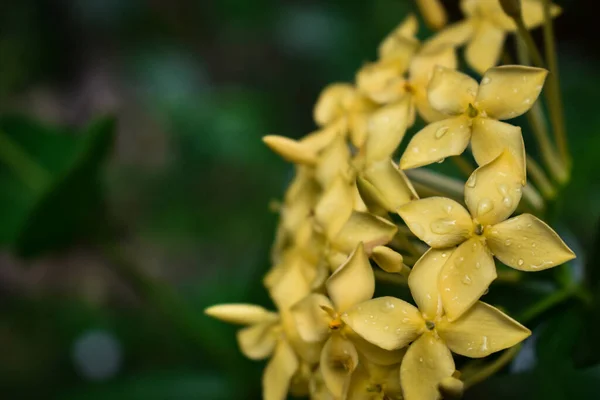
433, 13
512, 8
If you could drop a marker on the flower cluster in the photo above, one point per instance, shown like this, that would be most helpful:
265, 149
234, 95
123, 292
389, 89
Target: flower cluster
351, 211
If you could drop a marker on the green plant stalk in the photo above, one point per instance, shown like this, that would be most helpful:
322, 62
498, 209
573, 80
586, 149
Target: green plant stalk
463, 165
538, 176
554, 86
552, 97
27, 169
490, 369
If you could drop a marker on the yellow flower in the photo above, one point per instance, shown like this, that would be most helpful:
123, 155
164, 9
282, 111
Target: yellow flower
492, 194
317, 319
490, 25
475, 110
374, 382
384, 82
392, 324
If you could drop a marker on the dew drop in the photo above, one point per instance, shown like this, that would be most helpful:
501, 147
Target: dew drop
466, 280
485, 80
441, 132
507, 201
387, 307
472, 181
520, 262
441, 160
507, 242
484, 206
478, 265
503, 189
533, 244
443, 226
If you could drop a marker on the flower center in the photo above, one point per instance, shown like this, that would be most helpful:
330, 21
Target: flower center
479, 229
336, 324
430, 325
472, 111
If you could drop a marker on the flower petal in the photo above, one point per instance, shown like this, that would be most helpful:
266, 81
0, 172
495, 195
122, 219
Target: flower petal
438, 221
312, 321
386, 129
389, 260
423, 282
353, 282
333, 161
386, 322
454, 35
423, 64
318, 389
510, 90
339, 359
334, 207
242, 314
425, 364
373, 353
279, 371
383, 81
483, 51
291, 150
364, 227
400, 43
318, 140
493, 192
490, 138
332, 102
257, 341
435, 142
451, 91
465, 277
527, 243
481, 331
290, 285
393, 185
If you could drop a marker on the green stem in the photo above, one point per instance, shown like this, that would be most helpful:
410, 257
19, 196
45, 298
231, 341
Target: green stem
490, 369
534, 52
554, 86
547, 303
463, 165
31, 173
538, 175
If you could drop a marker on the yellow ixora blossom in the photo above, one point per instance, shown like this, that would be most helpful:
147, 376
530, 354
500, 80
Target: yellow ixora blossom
492, 194
384, 81
317, 318
474, 111
489, 26
392, 324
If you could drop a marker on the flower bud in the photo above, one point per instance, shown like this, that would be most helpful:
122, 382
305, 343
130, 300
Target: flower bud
433, 13
512, 8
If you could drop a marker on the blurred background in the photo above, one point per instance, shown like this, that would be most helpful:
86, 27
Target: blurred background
130, 133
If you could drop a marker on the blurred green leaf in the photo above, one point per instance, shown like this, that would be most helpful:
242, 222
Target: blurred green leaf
71, 199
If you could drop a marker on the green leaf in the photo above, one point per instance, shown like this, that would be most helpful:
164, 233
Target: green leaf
68, 202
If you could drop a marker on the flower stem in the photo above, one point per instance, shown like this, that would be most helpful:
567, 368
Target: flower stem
26, 168
490, 369
547, 303
463, 165
538, 175
554, 86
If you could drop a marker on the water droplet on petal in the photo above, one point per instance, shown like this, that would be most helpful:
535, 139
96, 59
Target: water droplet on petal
441, 132
484, 206
466, 280
441, 160
472, 180
485, 80
507, 242
520, 262
443, 226
507, 201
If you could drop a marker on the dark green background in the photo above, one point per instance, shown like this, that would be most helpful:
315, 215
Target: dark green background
185, 182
